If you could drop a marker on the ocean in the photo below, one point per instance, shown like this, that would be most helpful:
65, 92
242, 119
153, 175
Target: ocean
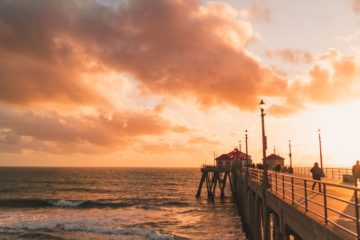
111, 203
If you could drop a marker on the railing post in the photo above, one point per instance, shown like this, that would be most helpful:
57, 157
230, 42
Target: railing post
357, 213
292, 190
339, 174
332, 173
283, 186
276, 187
305, 189
325, 204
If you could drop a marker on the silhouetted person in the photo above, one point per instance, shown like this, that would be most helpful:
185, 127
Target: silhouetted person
356, 172
278, 168
316, 172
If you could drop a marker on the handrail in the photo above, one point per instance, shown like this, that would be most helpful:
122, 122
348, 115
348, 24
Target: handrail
297, 191
334, 173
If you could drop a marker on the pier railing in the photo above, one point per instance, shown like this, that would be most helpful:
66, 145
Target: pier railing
332, 204
334, 173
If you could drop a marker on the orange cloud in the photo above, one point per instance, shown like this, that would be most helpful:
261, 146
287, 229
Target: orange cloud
332, 78
172, 47
50, 131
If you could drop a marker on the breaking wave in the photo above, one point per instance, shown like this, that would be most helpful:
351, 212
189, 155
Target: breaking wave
61, 203
39, 203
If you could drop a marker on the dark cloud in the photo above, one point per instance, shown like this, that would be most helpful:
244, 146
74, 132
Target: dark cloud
37, 65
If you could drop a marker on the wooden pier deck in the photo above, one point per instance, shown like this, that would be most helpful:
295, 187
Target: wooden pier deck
286, 205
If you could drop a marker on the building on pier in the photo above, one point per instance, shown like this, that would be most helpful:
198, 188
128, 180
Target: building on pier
274, 160
235, 157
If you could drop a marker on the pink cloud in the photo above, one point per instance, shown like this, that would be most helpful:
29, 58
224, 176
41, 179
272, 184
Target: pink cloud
257, 12
292, 56
355, 4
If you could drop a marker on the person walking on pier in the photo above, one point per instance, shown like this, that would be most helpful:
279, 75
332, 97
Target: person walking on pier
317, 173
356, 172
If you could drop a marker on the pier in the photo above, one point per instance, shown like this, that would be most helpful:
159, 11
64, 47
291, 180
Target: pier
283, 206
211, 176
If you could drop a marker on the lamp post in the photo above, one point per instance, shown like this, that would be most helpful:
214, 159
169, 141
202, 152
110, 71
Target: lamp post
246, 147
265, 181
320, 148
290, 157
264, 143
240, 145
266, 184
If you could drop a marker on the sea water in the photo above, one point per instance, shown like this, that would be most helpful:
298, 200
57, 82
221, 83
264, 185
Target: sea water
111, 203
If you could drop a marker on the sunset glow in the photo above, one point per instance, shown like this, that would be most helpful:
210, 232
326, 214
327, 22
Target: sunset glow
164, 83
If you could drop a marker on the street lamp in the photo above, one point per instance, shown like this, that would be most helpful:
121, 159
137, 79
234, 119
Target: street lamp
320, 148
246, 147
290, 156
262, 107
265, 181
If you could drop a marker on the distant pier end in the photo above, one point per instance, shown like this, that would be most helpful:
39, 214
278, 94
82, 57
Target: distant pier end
213, 175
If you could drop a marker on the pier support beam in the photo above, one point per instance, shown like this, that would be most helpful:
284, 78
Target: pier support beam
212, 177
203, 177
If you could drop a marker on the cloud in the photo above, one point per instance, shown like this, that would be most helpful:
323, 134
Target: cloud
182, 48
350, 38
36, 64
291, 56
355, 4
332, 78
50, 131
257, 12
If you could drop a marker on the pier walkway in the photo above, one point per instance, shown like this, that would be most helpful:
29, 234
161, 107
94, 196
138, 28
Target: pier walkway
277, 206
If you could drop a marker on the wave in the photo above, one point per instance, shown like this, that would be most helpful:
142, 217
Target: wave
147, 207
39, 236
62, 203
175, 204
39, 203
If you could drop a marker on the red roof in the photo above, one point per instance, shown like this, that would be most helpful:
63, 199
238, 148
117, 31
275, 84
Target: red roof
234, 155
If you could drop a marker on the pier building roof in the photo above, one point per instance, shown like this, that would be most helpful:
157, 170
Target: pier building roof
236, 154
233, 155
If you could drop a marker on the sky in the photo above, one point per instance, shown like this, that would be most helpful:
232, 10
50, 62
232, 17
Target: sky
171, 83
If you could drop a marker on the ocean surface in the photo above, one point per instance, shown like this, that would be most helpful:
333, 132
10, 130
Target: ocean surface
111, 203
